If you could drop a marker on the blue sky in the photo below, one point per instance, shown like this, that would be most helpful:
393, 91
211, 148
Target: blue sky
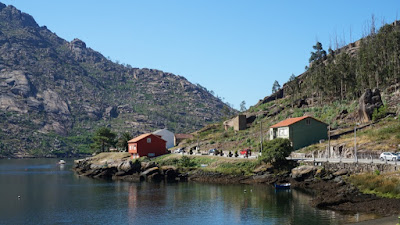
234, 48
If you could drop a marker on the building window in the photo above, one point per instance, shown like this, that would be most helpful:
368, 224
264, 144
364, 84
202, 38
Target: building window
148, 140
283, 132
134, 147
308, 121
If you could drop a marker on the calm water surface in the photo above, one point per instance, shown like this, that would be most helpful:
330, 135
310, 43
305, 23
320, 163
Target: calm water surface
53, 194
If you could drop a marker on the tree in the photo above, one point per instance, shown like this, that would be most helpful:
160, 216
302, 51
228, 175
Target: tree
102, 139
317, 70
243, 106
292, 88
276, 151
319, 54
276, 86
123, 141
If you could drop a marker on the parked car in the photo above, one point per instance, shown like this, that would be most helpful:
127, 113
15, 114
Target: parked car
179, 150
388, 156
245, 151
212, 151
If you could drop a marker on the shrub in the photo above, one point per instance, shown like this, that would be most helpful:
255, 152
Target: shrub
186, 162
276, 150
379, 113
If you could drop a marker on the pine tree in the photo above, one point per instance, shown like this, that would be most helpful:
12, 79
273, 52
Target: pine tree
103, 139
243, 106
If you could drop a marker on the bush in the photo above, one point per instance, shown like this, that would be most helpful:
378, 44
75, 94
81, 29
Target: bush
276, 150
379, 113
186, 162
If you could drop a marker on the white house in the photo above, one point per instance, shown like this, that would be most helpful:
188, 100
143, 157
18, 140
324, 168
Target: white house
167, 135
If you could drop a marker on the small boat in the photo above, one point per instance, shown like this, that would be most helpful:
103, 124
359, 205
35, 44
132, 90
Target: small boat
282, 186
61, 162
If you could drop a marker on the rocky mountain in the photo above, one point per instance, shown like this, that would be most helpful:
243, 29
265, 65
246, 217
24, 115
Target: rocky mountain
55, 93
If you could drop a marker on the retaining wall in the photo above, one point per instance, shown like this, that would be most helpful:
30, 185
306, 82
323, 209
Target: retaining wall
356, 167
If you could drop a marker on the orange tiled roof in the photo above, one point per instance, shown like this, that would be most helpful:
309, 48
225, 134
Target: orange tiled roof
289, 121
140, 137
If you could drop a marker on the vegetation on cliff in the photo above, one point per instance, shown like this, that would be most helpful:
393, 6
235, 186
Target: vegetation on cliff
384, 185
372, 62
329, 90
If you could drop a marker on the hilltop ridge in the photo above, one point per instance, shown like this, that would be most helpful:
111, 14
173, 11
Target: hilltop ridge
55, 93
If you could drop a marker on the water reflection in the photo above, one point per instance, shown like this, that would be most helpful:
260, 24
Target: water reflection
237, 204
53, 194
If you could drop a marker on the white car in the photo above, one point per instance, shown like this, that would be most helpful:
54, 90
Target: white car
388, 156
179, 150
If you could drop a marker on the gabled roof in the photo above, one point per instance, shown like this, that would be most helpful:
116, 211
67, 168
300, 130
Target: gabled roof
140, 137
161, 130
291, 121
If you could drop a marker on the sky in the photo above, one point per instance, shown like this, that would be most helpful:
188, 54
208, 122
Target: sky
237, 49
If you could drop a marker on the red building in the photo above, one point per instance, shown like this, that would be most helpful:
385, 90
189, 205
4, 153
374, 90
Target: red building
147, 145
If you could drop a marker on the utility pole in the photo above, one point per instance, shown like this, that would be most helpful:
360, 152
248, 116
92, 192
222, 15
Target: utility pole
261, 137
198, 148
355, 143
329, 141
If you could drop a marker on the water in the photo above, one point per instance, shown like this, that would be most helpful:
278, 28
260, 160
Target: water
53, 194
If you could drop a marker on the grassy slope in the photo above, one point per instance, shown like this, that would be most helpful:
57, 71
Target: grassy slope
236, 166
383, 135
384, 185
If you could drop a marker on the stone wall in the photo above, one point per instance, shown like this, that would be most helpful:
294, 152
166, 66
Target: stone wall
356, 167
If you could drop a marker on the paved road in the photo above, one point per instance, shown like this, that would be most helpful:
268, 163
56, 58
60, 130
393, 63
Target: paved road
337, 160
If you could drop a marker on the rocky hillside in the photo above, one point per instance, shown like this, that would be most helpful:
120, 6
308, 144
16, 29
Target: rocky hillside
54, 93
353, 86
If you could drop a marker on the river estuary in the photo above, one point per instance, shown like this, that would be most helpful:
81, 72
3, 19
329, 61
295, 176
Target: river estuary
39, 191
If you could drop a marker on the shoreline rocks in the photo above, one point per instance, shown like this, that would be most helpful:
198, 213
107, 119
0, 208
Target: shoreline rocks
329, 189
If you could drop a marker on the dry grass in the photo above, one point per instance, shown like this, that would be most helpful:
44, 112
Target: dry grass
384, 185
110, 156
